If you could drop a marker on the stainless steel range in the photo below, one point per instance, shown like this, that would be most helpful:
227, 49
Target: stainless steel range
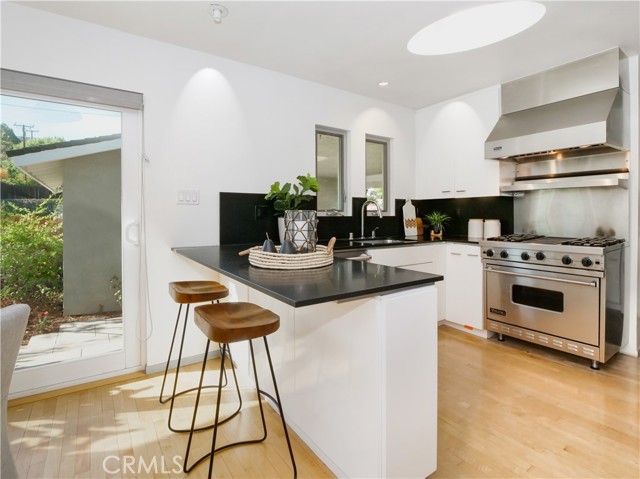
564, 293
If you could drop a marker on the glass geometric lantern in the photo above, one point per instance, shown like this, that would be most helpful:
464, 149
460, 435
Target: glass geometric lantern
301, 228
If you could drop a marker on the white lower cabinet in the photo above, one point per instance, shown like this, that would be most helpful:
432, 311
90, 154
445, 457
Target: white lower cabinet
344, 382
429, 258
464, 285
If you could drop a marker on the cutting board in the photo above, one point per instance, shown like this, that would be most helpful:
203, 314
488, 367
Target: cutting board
409, 215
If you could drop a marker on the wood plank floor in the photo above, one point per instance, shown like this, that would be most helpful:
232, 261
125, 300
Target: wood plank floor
120, 430
506, 410
514, 409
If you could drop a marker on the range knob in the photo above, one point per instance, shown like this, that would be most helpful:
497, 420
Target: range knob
587, 262
504, 254
540, 256
566, 259
490, 253
525, 256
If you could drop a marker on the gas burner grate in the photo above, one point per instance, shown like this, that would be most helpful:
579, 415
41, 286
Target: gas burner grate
515, 238
597, 241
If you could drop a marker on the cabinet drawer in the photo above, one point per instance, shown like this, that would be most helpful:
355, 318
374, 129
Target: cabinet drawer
410, 255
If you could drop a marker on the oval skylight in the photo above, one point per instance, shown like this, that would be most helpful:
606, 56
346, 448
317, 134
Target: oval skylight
476, 27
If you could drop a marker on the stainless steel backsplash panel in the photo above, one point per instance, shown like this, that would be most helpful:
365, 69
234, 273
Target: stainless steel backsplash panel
573, 212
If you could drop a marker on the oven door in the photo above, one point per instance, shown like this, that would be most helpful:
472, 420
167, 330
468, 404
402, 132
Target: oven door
559, 304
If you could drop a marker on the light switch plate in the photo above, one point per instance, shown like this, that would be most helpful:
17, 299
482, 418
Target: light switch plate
188, 197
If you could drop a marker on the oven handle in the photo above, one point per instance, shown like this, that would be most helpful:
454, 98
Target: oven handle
533, 276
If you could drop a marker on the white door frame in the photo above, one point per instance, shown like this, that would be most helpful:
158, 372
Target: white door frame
44, 378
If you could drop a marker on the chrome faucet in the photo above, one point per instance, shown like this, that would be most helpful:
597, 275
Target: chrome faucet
364, 212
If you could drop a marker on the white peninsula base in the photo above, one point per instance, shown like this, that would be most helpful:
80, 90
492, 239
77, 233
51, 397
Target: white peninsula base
358, 379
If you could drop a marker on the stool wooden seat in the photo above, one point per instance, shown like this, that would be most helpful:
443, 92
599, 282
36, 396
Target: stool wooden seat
227, 323
233, 322
187, 292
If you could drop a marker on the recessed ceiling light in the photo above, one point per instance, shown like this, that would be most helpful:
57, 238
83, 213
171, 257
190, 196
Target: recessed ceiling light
476, 27
383, 83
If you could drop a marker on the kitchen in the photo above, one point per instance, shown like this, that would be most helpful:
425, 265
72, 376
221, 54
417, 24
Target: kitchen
241, 127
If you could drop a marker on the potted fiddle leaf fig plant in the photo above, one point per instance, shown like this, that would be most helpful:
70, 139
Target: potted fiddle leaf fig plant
291, 197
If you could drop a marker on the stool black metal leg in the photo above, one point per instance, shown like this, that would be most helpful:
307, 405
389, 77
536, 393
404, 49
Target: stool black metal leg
211, 455
175, 383
166, 368
186, 467
225, 350
215, 421
279, 404
218, 386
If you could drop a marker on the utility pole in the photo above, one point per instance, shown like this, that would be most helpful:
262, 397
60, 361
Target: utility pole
24, 133
32, 131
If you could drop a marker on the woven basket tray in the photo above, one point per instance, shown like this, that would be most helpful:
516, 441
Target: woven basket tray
263, 259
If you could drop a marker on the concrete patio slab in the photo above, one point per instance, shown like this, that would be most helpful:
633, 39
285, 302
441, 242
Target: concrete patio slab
73, 341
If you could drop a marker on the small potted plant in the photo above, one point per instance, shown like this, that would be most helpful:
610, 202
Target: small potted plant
291, 197
437, 220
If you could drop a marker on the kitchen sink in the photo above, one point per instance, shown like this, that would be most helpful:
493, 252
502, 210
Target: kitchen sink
380, 241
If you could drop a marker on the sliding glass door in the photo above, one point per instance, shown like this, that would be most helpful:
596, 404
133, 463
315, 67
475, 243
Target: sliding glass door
71, 241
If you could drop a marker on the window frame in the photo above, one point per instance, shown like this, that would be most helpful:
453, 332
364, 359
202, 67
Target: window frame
342, 135
385, 167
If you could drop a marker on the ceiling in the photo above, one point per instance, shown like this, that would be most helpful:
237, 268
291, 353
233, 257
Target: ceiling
354, 45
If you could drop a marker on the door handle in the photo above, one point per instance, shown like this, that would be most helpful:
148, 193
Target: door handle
593, 284
132, 233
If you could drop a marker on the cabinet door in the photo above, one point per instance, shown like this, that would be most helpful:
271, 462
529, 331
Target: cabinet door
475, 175
450, 140
464, 285
430, 258
433, 268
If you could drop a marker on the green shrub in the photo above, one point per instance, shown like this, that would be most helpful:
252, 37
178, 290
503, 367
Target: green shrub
31, 256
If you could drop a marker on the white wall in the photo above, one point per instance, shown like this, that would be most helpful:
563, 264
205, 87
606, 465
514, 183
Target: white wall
210, 124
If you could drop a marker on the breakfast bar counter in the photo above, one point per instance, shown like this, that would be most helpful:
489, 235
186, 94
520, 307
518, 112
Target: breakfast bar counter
345, 279
355, 357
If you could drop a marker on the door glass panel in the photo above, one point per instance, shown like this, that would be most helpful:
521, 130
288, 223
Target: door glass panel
538, 298
62, 165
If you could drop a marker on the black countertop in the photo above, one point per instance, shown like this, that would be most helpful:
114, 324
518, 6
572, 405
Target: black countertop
345, 244
343, 280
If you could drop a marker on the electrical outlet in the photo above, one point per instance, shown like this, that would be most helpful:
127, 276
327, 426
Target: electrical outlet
188, 197
261, 212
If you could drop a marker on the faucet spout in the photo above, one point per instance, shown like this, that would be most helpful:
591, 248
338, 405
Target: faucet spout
363, 213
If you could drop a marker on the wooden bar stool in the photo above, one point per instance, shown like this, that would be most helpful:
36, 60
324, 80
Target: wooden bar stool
227, 323
188, 293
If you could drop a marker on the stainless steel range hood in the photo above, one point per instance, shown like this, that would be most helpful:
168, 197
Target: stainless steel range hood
557, 124
572, 127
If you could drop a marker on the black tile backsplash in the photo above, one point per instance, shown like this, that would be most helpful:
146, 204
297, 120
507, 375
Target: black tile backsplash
239, 223
462, 210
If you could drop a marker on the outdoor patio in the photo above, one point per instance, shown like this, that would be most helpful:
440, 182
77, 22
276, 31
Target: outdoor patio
73, 341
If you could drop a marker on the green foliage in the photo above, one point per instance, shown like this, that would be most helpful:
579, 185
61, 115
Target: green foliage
116, 286
437, 219
9, 138
43, 141
31, 256
292, 197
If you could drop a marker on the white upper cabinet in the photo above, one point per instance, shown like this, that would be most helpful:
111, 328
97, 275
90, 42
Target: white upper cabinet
450, 140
